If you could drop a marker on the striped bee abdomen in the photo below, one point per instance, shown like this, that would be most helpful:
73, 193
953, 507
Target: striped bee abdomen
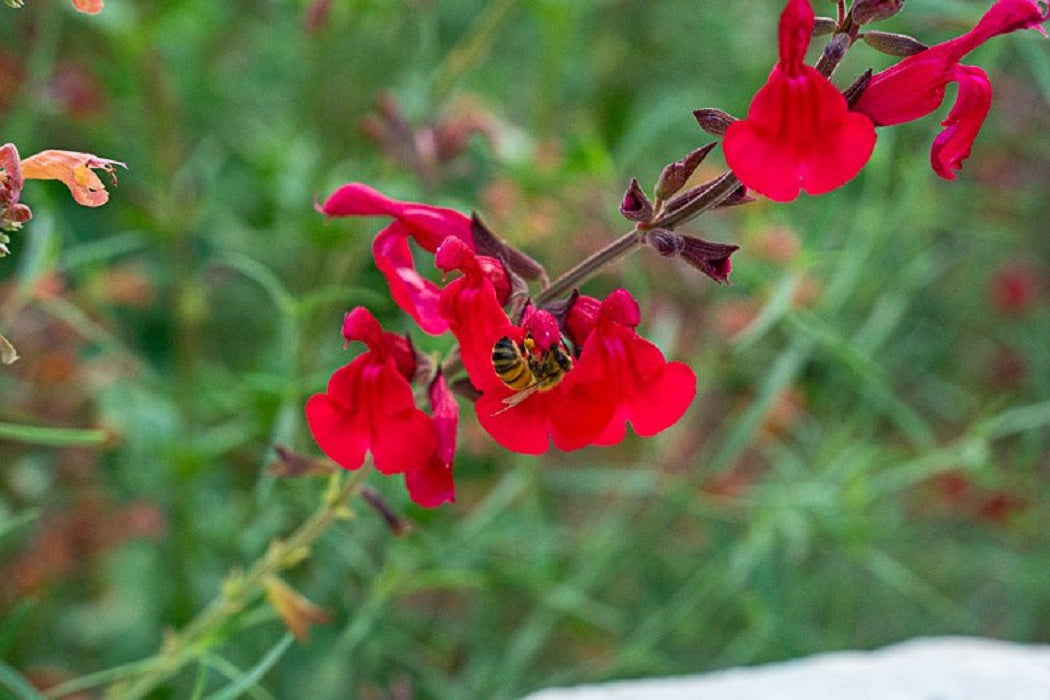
510, 364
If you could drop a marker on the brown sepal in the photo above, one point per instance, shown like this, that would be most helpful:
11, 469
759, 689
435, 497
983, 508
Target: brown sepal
676, 174
713, 259
713, 121
854, 91
488, 243
465, 388
398, 525
293, 464
823, 26
635, 205
893, 44
865, 11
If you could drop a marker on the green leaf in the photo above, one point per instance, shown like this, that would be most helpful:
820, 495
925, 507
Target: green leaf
234, 690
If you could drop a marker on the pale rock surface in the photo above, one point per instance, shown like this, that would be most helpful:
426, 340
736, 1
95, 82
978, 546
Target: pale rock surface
935, 668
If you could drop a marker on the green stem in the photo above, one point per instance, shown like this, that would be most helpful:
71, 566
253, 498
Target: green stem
591, 265
712, 196
199, 634
53, 437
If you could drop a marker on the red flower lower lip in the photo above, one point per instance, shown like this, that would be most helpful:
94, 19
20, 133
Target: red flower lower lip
369, 407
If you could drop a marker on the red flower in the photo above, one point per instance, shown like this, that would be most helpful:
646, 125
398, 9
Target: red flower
618, 376
915, 87
369, 406
799, 132
639, 383
432, 485
472, 305
428, 225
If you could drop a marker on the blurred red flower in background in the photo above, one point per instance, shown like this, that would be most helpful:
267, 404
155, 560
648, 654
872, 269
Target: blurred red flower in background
915, 87
799, 132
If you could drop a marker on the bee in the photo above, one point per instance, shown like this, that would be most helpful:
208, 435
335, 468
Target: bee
527, 369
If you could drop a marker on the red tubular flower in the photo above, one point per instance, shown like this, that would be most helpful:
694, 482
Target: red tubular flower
915, 87
640, 384
428, 225
369, 406
618, 376
799, 132
432, 485
471, 304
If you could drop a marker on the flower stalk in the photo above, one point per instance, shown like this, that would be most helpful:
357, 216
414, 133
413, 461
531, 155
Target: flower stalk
239, 591
591, 265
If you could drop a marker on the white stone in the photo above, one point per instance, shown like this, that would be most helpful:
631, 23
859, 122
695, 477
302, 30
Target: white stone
935, 668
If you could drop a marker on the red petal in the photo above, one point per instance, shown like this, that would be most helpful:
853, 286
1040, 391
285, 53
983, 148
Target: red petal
360, 324
431, 485
429, 224
542, 326
641, 386
417, 296
974, 99
402, 435
524, 428
794, 31
585, 411
445, 411
798, 134
336, 422
663, 400
582, 317
914, 87
473, 313
908, 90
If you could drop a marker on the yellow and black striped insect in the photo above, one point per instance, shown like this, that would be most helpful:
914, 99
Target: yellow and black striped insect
527, 369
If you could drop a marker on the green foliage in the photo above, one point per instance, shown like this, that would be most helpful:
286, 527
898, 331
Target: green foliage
868, 458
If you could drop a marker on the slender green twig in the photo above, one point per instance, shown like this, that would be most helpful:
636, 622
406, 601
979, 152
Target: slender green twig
200, 634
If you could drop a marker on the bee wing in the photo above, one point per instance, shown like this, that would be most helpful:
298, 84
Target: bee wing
517, 397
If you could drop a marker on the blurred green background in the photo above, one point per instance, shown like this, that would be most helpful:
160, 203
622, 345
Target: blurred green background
867, 460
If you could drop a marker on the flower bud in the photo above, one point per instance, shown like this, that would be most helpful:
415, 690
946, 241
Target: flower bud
893, 44
713, 121
836, 49
488, 243
710, 258
865, 11
635, 205
665, 243
824, 25
676, 174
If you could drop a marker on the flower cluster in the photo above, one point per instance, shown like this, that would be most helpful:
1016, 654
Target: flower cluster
573, 372
559, 367
802, 133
